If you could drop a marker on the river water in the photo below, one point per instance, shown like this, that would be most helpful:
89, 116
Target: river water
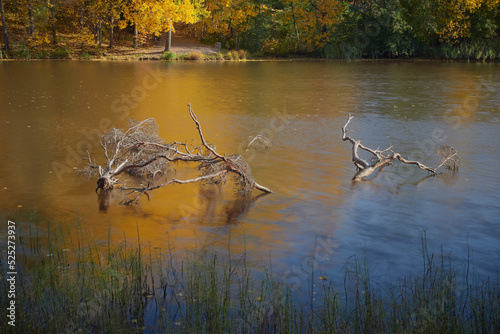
51, 112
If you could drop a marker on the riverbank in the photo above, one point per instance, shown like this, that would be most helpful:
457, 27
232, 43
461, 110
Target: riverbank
152, 49
183, 47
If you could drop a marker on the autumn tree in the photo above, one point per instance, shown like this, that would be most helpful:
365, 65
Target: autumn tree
229, 19
153, 17
278, 27
485, 20
451, 21
114, 9
52, 6
315, 21
35, 17
80, 13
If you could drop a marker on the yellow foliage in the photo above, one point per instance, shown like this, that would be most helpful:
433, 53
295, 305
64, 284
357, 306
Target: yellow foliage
315, 20
230, 17
156, 16
453, 16
38, 40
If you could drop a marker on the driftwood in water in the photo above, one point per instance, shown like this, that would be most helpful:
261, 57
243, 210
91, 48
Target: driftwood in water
140, 152
449, 157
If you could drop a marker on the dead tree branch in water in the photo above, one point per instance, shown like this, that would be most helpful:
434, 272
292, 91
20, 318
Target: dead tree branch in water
449, 157
141, 153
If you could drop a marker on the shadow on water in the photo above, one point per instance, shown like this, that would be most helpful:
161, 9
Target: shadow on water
383, 182
104, 199
211, 204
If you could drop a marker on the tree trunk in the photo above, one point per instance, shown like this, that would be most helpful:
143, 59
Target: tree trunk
111, 28
136, 37
5, 36
99, 34
168, 44
32, 18
81, 12
52, 20
295, 26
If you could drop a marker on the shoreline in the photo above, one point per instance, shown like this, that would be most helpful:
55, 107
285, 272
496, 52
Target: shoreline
257, 59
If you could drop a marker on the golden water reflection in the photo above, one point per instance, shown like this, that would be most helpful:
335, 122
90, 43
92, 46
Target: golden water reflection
52, 112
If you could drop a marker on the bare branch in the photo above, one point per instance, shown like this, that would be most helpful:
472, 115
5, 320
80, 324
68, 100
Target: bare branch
264, 142
358, 162
198, 126
143, 190
186, 158
384, 157
417, 163
139, 151
450, 158
262, 188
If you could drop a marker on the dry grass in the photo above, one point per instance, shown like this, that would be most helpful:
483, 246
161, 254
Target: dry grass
196, 55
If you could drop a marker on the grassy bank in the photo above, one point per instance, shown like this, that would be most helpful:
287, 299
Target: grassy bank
66, 284
22, 52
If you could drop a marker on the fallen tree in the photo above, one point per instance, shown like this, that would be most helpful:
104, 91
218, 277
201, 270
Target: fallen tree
141, 153
449, 157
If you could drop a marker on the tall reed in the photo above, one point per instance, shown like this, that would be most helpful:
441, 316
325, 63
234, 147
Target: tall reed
67, 284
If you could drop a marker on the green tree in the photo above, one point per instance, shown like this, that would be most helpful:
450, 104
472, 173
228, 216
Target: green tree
373, 29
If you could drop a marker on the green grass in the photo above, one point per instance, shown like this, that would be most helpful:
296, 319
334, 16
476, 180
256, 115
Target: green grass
69, 284
168, 55
181, 56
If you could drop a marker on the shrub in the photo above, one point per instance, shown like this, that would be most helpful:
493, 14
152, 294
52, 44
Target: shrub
194, 56
219, 56
209, 57
168, 55
42, 54
60, 53
242, 54
22, 52
85, 55
235, 55
228, 56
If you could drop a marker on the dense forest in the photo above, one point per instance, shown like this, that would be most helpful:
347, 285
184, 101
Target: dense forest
446, 29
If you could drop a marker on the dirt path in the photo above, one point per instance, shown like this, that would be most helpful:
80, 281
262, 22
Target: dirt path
181, 44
